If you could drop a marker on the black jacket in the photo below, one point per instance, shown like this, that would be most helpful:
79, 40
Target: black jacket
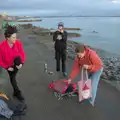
60, 40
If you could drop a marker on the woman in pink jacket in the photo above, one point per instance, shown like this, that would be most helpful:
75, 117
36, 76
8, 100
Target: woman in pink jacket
12, 57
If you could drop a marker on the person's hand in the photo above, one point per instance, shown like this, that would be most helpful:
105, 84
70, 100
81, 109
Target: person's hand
10, 69
86, 66
18, 67
61, 31
69, 81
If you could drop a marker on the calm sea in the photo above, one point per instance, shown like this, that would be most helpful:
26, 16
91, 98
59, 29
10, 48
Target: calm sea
107, 35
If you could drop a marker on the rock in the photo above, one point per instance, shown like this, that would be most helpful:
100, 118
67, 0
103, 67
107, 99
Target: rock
26, 26
72, 28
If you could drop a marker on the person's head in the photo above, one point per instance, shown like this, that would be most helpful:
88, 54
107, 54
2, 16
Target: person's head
60, 26
80, 50
10, 34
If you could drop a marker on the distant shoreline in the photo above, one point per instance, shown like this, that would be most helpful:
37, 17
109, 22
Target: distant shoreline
63, 16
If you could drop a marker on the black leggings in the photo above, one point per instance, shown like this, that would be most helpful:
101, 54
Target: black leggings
12, 74
60, 56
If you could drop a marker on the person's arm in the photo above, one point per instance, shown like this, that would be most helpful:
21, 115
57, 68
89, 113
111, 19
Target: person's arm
2, 64
54, 36
75, 69
22, 53
96, 62
64, 36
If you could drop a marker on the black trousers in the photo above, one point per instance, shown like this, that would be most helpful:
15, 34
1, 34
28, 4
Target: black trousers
60, 56
12, 75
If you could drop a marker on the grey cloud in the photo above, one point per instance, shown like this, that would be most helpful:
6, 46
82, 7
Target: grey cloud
53, 4
34, 5
67, 6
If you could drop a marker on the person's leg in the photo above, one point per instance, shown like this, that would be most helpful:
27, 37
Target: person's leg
12, 75
17, 92
95, 77
63, 58
57, 57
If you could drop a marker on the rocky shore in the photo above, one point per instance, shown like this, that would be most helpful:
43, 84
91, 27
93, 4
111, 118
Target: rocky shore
45, 31
111, 73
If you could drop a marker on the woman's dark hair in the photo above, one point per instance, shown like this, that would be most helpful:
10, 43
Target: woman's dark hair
10, 30
80, 48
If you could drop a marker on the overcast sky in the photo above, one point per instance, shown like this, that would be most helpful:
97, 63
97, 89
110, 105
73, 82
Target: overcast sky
45, 7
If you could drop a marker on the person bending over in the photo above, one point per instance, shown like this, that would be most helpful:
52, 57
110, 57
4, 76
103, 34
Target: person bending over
89, 60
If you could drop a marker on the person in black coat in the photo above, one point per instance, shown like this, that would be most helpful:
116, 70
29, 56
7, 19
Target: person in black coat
60, 39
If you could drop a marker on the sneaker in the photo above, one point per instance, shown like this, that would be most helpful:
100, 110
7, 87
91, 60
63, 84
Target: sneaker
57, 70
19, 96
18, 113
64, 74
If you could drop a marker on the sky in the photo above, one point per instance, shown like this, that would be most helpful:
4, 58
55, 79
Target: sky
63, 7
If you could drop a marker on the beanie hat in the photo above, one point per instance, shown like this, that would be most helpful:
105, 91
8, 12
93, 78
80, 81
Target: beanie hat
60, 24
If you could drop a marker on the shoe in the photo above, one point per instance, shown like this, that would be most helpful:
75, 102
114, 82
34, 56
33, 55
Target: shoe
64, 74
21, 107
19, 96
18, 113
58, 70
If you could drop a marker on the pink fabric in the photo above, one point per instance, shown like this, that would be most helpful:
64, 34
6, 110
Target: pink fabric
84, 88
61, 86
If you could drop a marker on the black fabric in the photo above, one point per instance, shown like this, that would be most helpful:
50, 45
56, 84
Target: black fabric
17, 61
12, 74
17, 107
69, 89
19, 95
60, 56
60, 44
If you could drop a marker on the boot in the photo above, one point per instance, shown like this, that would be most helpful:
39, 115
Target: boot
19, 96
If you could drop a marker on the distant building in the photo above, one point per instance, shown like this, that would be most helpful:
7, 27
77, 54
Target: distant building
4, 16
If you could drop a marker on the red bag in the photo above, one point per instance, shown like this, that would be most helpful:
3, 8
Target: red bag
61, 86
